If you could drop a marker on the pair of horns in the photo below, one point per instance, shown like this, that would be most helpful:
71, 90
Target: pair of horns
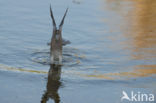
53, 20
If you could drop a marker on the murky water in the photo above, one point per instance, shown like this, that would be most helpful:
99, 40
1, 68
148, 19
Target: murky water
112, 50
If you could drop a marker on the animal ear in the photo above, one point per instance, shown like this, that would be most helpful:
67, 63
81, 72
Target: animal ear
61, 24
53, 20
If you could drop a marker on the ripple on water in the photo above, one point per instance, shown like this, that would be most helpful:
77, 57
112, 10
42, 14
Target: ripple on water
71, 57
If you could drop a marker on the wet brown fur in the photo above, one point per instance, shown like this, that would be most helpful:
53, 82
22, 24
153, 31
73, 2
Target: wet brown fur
56, 40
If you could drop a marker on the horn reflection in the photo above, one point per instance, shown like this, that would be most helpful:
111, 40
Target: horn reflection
53, 84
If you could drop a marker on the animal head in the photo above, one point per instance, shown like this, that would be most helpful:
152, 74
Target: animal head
57, 32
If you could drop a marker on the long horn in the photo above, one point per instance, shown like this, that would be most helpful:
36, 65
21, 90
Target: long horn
61, 24
51, 13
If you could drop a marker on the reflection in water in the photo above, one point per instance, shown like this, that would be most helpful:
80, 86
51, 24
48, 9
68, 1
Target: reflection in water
145, 71
142, 29
15, 69
53, 84
138, 27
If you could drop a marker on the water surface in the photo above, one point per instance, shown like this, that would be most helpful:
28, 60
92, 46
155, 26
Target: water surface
112, 49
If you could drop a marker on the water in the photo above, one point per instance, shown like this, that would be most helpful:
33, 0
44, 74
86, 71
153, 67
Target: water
112, 49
